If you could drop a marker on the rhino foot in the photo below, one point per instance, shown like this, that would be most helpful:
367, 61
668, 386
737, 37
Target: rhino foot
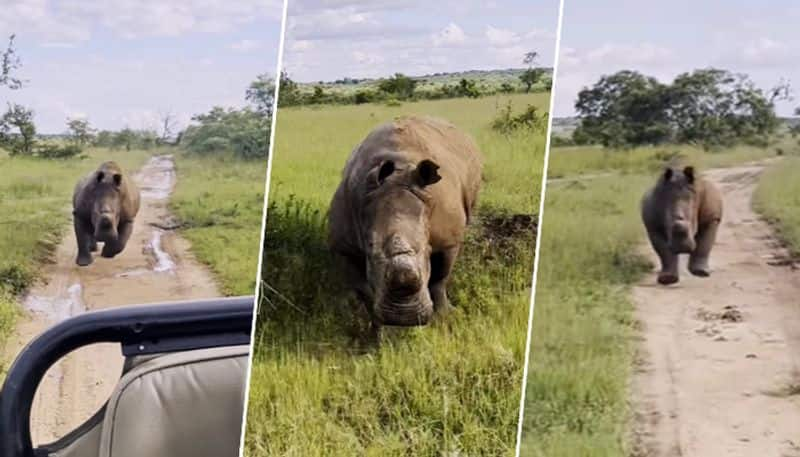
84, 260
666, 278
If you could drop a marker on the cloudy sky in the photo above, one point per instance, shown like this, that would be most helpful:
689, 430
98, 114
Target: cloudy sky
665, 38
123, 62
331, 39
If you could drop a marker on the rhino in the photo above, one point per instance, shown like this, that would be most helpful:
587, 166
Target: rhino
104, 204
398, 217
682, 213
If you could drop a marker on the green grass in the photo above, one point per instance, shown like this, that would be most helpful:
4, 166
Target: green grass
583, 335
35, 205
777, 198
454, 386
219, 201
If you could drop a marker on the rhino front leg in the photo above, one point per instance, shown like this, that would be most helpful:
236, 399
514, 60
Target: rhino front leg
441, 267
698, 260
669, 260
83, 236
112, 248
355, 272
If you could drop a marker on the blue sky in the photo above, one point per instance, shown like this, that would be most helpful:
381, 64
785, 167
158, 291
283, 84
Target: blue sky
126, 62
331, 39
665, 38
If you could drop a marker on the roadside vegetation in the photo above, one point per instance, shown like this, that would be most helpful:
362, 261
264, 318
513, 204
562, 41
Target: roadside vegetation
318, 387
777, 198
584, 332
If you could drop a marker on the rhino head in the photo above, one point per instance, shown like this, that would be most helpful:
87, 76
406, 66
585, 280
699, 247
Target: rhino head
106, 207
679, 199
395, 223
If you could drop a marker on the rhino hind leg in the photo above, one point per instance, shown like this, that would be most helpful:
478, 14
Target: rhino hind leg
441, 266
669, 260
698, 260
84, 239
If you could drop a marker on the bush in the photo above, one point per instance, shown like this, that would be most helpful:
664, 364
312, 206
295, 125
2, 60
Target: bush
530, 119
57, 151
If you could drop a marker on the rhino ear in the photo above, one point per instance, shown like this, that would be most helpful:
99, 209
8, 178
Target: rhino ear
386, 169
427, 173
100, 176
117, 179
689, 173
667, 174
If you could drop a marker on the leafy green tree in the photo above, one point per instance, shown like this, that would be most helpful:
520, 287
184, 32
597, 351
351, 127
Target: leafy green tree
9, 64
399, 85
80, 131
318, 96
530, 77
261, 94
289, 92
244, 132
468, 88
625, 108
17, 130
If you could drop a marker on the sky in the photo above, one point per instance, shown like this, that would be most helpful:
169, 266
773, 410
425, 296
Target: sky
125, 63
666, 38
331, 39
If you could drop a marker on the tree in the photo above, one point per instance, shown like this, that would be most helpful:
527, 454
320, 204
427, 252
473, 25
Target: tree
244, 132
530, 77
530, 58
9, 64
625, 108
81, 132
399, 85
168, 125
261, 93
468, 88
289, 92
17, 130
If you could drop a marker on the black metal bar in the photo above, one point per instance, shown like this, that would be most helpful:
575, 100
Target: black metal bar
176, 326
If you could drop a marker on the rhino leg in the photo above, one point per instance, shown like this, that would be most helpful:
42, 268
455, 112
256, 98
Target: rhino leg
112, 248
84, 238
669, 260
441, 266
698, 260
354, 268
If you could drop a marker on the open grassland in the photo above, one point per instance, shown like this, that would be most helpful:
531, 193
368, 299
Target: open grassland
777, 198
35, 205
219, 201
583, 336
317, 387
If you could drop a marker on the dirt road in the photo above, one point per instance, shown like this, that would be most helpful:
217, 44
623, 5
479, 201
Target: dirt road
156, 266
720, 360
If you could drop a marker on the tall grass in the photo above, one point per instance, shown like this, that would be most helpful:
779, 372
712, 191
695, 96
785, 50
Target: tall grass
35, 205
777, 198
317, 387
219, 201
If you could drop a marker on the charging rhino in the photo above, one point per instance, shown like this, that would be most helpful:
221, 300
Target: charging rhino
399, 216
682, 213
104, 205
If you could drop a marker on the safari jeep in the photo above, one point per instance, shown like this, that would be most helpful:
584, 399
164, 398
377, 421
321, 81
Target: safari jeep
180, 394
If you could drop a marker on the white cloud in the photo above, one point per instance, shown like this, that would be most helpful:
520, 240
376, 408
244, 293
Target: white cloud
246, 45
501, 37
452, 35
765, 51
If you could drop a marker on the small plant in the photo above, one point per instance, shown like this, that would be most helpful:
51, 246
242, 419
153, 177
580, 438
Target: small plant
57, 151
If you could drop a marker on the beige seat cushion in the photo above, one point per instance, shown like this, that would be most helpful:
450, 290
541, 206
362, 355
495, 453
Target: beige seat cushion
176, 405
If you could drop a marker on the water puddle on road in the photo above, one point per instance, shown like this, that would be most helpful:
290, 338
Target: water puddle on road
157, 178
58, 308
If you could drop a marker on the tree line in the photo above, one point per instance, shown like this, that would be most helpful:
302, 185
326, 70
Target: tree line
711, 107
243, 132
400, 87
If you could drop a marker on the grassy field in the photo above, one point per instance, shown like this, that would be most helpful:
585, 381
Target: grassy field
219, 201
583, 336
451, 388
777, 198
35, 199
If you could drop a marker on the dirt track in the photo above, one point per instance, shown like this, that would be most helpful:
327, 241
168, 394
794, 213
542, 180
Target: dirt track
719, 371
156, 266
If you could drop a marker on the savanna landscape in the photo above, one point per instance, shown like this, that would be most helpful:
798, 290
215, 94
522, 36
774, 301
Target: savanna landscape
319, 385
622, 366
195, 236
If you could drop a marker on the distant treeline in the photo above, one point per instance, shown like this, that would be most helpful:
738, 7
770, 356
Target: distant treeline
399, 88
710, 107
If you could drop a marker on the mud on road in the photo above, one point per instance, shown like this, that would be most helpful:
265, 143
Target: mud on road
719, 368
156, 266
